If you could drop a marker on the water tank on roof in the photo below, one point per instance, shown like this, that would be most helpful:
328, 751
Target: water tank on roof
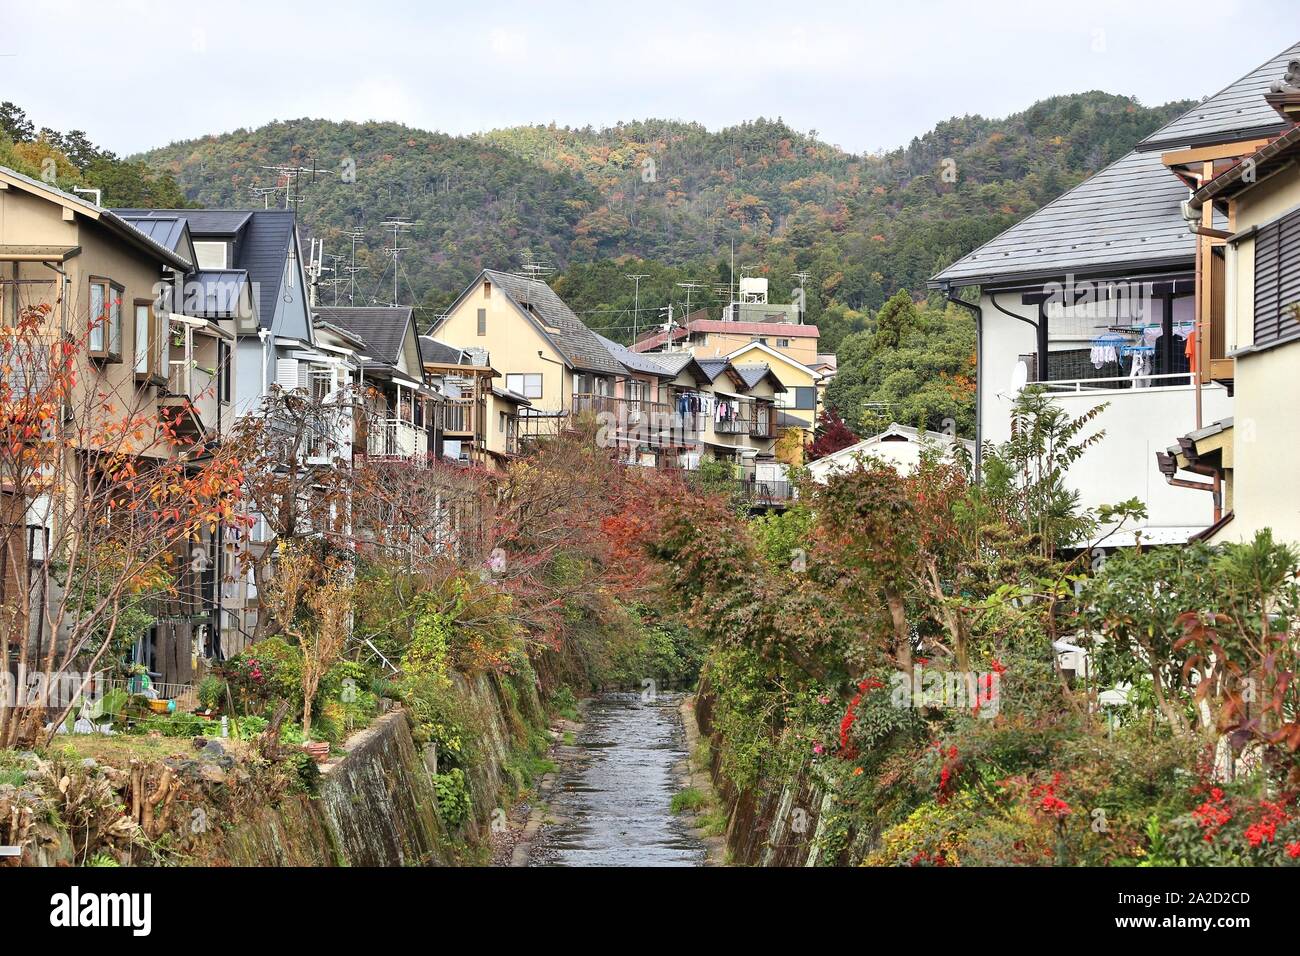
753, 289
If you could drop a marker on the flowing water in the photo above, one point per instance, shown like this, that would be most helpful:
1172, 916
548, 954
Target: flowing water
612, 798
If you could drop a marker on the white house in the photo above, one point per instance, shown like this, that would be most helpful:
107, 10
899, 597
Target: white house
898, 445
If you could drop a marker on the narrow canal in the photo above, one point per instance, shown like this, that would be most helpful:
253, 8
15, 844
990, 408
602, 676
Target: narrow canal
612, 801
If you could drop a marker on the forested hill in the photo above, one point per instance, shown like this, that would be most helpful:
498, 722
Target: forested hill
674, 194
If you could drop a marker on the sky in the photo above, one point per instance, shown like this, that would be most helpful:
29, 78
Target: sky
135, 74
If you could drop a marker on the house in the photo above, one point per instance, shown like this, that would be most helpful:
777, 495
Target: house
800, 402
248, 275
479, 417
399, 408
751, 318
1248, 463
545, 352
117, 290
1109, 295
899, 446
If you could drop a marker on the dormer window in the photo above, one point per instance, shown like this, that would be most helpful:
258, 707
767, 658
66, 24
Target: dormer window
212, 255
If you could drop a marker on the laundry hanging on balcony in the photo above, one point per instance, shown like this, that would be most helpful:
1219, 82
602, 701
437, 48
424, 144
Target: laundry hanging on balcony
1143, 357
1106, 349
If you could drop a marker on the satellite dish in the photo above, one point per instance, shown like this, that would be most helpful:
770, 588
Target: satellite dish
1019, 377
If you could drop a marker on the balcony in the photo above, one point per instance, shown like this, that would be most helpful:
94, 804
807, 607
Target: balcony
190, 401
460, 417
636, 420
395, 438
756, 419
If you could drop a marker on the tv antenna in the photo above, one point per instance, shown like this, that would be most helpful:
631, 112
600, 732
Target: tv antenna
293, 176
354, 236
399, 225
535, 266
636, 299
691, 287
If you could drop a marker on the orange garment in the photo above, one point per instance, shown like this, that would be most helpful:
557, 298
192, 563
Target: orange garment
1190, 350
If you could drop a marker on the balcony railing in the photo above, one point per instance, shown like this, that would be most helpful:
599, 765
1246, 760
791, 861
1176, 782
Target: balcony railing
460, 416
750, 418
395, 438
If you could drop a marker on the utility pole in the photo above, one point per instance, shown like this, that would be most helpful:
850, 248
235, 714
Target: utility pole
636, 300
803, 296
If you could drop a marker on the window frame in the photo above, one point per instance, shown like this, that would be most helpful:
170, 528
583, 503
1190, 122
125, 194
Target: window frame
525, 376
111, 336
481, 322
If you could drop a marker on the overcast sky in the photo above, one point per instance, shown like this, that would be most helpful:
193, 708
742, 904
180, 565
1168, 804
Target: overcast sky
141, 73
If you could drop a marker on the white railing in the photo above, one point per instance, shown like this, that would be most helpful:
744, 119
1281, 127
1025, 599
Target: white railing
395, 438
1119, 382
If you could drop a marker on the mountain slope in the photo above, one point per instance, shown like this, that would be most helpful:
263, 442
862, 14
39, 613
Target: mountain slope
668, 198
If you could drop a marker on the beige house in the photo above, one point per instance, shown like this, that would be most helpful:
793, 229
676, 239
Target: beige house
544, 352
119, 291
1249, 462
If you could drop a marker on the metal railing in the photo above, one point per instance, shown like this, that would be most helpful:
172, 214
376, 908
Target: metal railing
1116, 382
630, 411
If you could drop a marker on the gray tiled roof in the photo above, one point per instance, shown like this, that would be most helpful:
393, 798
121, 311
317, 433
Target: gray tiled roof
713, 367
1235, 112
754, 372
382, 328
439, 352
1126, 215
635, 361
576, 342
261, 243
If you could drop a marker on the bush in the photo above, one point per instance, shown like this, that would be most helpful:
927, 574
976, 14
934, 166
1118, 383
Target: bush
453, 797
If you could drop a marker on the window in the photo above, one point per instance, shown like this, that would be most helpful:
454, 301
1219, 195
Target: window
224, 363
212, 255
783, 343
482, 321
1277, 280
805, 397
105, 320
528, 385
152, 343
487, 291
501, 422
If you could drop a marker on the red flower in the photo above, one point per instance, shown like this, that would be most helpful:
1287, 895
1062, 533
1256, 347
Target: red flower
1293, 849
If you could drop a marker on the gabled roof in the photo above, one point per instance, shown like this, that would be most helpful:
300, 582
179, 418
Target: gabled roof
778, 355
1128, 215
552, 318
677, 362
440, 352
168, 231
713, 367
897, 432
751, 373
106, 217
1238, 111
635, 362
262, 239
383, 328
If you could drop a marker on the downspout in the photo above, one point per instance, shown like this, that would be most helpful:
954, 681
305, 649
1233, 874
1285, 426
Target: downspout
978, 312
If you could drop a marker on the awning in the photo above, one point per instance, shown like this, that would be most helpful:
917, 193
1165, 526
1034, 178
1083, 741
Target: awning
10, 253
